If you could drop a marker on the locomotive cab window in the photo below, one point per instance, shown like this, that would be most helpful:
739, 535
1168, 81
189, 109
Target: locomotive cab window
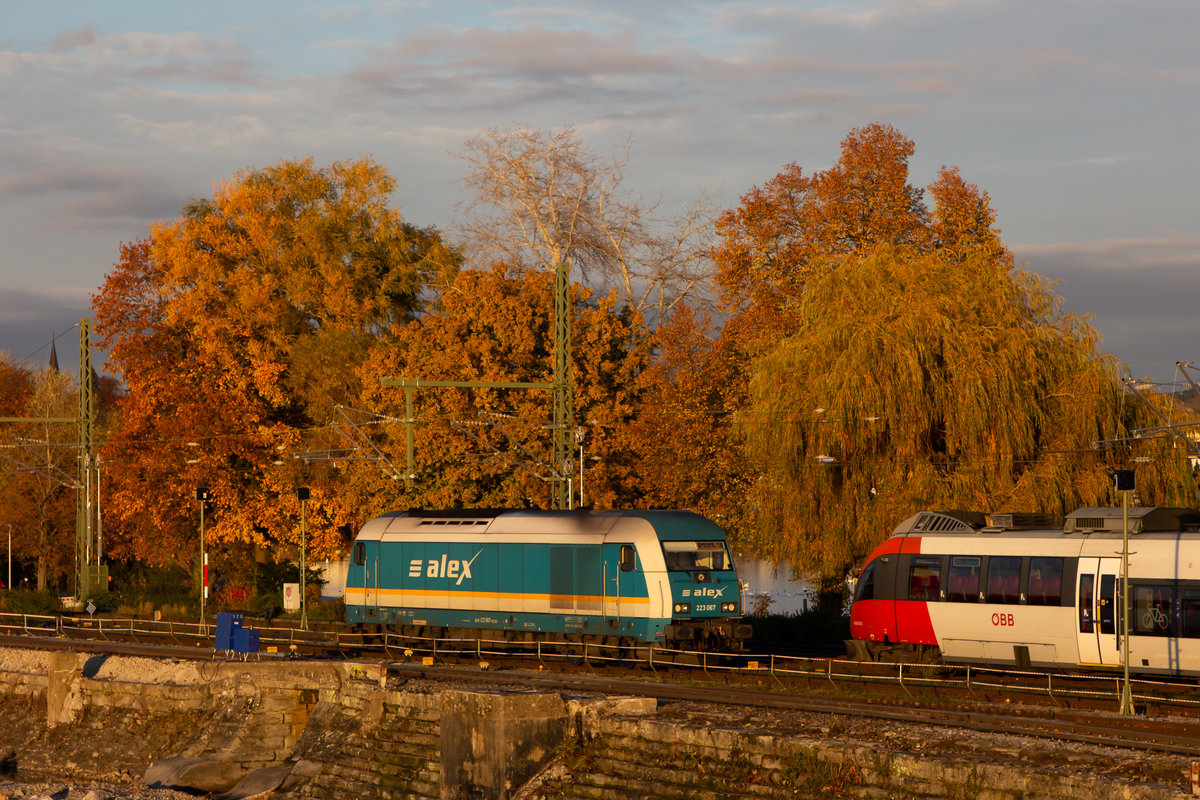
865, 590
696, 556
360, 554
924, 578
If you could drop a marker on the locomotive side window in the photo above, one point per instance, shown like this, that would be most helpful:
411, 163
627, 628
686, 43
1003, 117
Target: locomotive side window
1153, 610
1086, 581
924, 578
1045, 581
1004, 579
964, 579
360, 554
626, 557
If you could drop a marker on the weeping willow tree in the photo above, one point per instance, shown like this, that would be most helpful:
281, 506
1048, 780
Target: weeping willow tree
918, 379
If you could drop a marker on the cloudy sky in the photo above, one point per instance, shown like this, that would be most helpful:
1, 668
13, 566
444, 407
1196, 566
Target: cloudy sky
1081, 118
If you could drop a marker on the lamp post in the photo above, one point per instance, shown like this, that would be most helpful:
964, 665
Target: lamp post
1123, 483
202, 496
580, 432
302, 495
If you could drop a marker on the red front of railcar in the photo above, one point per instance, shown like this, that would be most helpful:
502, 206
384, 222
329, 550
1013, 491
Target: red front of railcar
881, 611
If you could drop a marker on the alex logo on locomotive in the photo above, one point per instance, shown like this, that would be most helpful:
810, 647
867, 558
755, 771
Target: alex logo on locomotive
442, 568
707, 591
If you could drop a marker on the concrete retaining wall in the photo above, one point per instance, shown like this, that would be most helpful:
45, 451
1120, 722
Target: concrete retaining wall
323, 731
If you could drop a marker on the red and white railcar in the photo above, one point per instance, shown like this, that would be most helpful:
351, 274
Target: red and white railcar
1009, 589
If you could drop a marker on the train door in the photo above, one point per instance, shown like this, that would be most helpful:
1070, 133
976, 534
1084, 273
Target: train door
619, 563
1096, 611
365, 562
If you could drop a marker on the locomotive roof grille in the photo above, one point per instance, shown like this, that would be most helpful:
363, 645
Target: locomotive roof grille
1020, 521
1142, 519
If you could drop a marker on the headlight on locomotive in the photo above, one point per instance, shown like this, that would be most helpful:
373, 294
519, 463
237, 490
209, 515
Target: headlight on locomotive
683, 608
729, 608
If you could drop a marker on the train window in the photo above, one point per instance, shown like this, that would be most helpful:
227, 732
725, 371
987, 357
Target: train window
1086, 581
924, 578
1153, 610
626, 557
964, 579
360, 554
1045, 581
696, 556
865, 590
1189, 613
1004, 578
1107, 604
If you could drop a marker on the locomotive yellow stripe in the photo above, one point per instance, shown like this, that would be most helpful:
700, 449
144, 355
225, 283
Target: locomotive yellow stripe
360, 594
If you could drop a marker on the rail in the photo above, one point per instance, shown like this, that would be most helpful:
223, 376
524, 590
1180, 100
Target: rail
284, 639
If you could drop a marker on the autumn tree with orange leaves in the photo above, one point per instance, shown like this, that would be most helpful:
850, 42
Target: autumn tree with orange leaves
686, 453
38, 470
238, 328
894, 360
486, 447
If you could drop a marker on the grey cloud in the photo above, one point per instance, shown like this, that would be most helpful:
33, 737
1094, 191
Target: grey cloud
96, 197
1141, 294
48, 181
29, 320
532, 51
80, 37
92, 55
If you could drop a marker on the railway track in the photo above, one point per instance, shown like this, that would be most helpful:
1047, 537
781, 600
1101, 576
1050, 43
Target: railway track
1174, 735
719, 685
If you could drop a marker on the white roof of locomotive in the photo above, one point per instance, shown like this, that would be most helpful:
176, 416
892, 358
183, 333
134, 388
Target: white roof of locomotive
507, 526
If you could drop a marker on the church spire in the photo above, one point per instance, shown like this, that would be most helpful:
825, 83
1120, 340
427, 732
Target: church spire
53, 353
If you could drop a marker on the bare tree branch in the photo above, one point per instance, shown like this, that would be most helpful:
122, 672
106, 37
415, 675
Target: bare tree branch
539, 198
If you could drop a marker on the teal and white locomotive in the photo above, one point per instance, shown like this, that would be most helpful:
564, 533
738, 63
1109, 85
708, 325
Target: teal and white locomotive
661, 577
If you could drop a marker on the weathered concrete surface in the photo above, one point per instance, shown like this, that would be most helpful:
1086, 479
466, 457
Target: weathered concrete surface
201, 774
491, 744
320, 731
